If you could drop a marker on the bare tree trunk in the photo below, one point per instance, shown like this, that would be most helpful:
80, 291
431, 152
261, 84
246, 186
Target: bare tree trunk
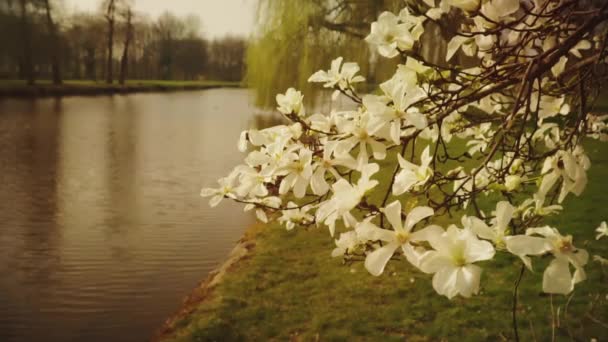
124, 62
27, 64
55, 64
110, 16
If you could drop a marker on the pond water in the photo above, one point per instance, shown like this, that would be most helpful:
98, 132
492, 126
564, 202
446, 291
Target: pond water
102, 230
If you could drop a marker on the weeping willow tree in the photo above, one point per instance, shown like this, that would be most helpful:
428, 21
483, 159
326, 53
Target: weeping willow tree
295, 38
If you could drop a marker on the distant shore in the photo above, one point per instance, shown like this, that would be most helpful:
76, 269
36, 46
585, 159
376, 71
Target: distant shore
19, 89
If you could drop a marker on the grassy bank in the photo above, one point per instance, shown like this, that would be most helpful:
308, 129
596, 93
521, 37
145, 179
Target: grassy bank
15, 88
289, 288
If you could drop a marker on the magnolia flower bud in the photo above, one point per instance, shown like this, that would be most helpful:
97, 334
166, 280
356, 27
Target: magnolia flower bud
512, 182
516, 165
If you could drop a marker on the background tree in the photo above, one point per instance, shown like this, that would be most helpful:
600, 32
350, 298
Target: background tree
56, 66
42, 40
124, 61
110, 16
27, 67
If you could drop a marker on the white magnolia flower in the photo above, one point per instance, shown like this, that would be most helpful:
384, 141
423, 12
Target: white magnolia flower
551, 106
291, 102
264, 204
557, 277
298, 173
292, 217
252, 182
467, 44
401, 236
412, 175
227, 188
346, 197
597, 126
548, 133
273, 135
512, 182
452, 261
346, 243
328, 163
571, 167
602, 230
342, 75
498, 233
481, 137
535, 206
362, 131
389, 35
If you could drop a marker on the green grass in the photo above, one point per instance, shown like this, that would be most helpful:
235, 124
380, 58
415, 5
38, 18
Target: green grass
291, 289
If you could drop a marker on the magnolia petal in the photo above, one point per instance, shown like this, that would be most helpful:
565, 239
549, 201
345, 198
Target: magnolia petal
299, 188
261, 215
414, 255
426, 233
319, 76
404, 181
432, 262
560, 66
557, 277
318, 183
479, 227
467, 281
405, 164
377, 260
242, 144
417, 119
527, 245
369, 231
416, 215
215, 200
393, 214
504, 214
478, 250
378, 149
445, 281
395, 131
287, 183
206, 192
454, 45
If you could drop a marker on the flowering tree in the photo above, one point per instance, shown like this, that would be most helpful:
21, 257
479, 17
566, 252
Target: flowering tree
511, 125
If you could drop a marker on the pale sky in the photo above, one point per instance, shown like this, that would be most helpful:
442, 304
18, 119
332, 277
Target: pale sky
218, 17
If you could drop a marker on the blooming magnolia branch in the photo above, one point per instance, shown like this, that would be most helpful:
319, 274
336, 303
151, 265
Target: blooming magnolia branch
516, 119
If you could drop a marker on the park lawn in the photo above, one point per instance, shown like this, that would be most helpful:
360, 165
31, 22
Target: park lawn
289, 288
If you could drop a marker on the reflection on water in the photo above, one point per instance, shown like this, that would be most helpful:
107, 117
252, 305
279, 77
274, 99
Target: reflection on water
102, 231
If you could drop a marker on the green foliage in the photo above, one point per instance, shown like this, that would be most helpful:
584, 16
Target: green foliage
291, 289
